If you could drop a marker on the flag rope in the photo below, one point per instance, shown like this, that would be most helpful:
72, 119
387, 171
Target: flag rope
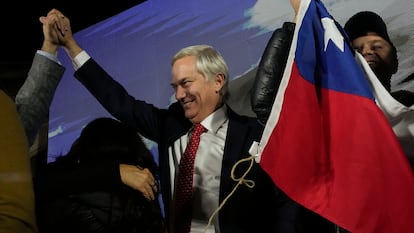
241, 180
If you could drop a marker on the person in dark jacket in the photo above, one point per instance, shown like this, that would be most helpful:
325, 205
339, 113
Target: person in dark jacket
368, 34
364, 28
73, 198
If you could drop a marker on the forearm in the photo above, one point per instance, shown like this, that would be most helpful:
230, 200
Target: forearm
72, 48
35, 96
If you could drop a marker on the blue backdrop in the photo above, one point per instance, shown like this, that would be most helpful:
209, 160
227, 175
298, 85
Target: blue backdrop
136, 47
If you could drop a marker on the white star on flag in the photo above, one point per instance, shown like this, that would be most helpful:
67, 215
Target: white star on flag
332, 33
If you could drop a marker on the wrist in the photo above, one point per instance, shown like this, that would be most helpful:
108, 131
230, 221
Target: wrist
50, 47
72, 48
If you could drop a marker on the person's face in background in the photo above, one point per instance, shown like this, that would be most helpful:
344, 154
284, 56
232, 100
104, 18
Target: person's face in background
379, 55
198, 97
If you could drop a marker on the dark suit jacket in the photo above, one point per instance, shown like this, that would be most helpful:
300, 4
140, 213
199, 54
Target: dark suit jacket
264, 208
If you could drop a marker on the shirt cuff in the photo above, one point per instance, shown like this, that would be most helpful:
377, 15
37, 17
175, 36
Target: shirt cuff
80, 59
51, 56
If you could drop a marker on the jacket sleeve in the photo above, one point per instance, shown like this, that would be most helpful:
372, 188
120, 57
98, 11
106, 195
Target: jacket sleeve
270, 71
36, 94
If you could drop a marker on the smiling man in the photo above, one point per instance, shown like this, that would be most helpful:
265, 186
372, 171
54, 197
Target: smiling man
200, 79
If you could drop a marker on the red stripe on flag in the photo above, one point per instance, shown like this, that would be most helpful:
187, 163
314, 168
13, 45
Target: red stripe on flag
336, 154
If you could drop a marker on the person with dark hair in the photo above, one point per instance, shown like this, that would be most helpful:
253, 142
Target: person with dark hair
73, 198
368, 34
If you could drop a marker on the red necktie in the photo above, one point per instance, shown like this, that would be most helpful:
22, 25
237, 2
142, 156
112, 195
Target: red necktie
184, 186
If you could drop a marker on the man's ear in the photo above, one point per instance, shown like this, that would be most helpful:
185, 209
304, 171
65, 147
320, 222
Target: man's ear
219, 81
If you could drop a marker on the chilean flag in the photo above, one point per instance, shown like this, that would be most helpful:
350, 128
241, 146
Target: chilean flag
327, 144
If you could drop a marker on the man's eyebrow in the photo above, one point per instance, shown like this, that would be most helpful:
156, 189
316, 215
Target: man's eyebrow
174, 85
178, 82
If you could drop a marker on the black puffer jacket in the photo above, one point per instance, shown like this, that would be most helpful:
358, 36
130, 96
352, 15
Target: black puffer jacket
270, 71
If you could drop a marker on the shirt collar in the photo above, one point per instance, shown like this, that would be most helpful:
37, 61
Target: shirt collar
216, 119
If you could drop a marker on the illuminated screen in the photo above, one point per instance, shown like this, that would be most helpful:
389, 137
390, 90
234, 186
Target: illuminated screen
136, 47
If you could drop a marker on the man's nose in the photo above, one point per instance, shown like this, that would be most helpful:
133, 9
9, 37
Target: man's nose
366, 50
179, 93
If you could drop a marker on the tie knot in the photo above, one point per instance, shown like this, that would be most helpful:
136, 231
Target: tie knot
198, 129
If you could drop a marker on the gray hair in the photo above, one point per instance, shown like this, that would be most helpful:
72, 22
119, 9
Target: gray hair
209, 63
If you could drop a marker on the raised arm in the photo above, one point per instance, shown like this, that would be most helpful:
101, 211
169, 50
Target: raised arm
35, 96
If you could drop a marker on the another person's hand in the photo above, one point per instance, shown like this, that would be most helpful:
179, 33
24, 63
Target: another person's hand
295, 5
140, 179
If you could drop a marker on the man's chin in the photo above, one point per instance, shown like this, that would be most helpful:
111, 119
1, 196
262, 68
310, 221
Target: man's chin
189, 115
373, 65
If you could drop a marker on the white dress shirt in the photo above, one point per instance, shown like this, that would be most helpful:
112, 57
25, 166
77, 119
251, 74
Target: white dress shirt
207, 165
207, 169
